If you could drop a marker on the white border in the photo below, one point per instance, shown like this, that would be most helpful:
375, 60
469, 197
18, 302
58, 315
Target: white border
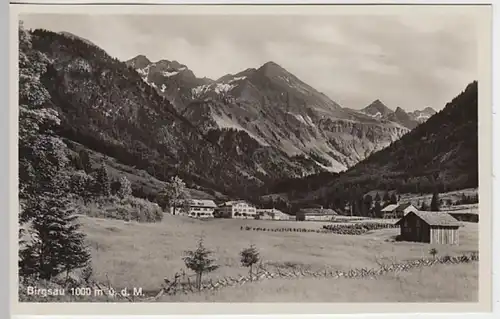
455, 307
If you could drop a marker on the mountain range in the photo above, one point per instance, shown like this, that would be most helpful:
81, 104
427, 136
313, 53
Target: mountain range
278, 110
439, 155
235, 135
380, 111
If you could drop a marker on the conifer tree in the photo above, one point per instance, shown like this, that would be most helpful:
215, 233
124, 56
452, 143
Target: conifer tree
394, 199
435, 203
377, 209
249, 257
387, 198
200, 262
56, 245
102, 181
81, 185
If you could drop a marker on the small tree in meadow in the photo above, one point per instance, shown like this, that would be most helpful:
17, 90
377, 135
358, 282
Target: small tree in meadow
200, 262
249, 257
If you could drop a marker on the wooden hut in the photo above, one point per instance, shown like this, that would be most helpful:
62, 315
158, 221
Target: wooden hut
397, 210
429, 227
316, 214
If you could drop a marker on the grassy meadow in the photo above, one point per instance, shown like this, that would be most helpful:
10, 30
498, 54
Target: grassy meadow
439, 283
131, 254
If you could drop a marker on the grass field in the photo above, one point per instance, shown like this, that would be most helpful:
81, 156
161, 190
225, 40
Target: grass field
440, 283
130, 254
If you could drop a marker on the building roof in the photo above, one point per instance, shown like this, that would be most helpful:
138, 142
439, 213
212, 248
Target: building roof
390, 208
234, 202
434, 218
202, 202
269, 210
403, 206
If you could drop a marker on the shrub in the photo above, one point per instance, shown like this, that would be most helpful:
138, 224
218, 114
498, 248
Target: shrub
128, 208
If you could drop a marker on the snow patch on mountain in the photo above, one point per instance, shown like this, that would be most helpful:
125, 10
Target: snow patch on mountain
223, 88
169, 74
377, 115
238, 78
305, 120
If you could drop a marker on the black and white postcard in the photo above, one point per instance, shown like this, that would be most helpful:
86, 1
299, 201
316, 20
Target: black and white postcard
299, 158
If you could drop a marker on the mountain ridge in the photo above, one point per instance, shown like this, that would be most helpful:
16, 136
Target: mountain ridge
277, 109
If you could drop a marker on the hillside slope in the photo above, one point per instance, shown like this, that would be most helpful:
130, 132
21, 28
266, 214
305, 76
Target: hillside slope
440, 154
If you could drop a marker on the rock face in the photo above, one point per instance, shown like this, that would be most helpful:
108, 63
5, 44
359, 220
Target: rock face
423, 115
278, 110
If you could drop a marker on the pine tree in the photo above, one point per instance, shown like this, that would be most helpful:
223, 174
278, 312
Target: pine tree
394, 199
200, 262
249, 257
56, 245
377, 209
125, 189
387, 198
81, 185
435, 203
377, 197
102, 181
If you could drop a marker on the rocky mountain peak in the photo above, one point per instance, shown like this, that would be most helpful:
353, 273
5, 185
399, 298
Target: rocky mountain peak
272, 69
430, 110
377, 109
139, 62
400, 110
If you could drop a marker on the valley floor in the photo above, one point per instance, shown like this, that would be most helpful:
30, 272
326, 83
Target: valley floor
130, 254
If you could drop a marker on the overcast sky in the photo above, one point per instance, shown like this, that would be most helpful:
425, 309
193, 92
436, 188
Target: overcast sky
407, 62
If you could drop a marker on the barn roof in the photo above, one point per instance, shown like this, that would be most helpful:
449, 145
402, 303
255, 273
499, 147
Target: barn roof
403, 206
434, 218
390, 208
202, 202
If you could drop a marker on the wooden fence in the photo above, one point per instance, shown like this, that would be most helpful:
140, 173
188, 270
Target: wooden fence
177, 286
341, 229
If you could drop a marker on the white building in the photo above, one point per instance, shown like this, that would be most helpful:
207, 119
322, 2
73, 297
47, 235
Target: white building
197, 208
272, 214
236, 209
